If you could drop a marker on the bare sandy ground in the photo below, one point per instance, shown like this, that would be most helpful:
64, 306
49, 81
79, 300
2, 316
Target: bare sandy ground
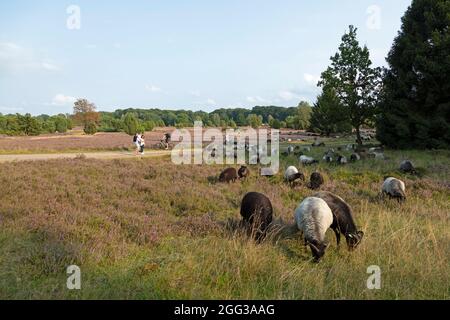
89, 155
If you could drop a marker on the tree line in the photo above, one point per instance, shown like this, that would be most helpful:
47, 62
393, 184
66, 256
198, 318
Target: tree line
16, 124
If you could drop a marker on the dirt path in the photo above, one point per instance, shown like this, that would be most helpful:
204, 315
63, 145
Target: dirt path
89, 155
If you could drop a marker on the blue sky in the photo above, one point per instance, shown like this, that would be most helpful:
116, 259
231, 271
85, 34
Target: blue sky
198, 55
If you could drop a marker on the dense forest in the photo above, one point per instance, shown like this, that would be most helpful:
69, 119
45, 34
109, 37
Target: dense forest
131, 120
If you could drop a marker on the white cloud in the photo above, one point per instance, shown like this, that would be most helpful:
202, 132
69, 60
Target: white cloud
311, 79
62, 100
152, 88
16, 58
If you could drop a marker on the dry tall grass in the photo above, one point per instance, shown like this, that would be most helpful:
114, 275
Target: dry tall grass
145, 228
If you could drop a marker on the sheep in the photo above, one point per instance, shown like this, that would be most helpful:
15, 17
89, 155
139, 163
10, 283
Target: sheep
307, 149
292, 174
394, 188
315, 181
316, 143
407, 167
256, 211
228, 175
313, 218
290, 149
341, 159
305, 160
376, 150
342, 219
327, 158
243, 172
355, 157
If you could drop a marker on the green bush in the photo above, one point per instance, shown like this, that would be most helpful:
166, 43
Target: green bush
90, 128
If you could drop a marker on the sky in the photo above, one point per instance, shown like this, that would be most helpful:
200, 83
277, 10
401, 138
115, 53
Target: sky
173, 54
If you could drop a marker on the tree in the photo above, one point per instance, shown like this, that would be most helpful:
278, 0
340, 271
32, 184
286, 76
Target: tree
356, 83
215, 119
90, 128
276, 124
85, 113
61, 124
28, 125
328, 115
255, 121
131, 124
303, 117
270, 120
415, 105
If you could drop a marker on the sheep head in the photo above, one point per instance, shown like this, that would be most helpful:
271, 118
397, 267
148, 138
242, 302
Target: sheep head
354, 239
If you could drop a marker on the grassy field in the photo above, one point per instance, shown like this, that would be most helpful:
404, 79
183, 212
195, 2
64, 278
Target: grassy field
147, 229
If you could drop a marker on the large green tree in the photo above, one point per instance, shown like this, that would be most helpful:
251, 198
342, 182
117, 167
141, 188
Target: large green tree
356, 83
328, 116
415, 106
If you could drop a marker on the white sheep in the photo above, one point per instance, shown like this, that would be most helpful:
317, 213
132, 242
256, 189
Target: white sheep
394, 188
313, 218
291, 175
305, 160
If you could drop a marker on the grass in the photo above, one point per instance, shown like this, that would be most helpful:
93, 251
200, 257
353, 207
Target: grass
146, 229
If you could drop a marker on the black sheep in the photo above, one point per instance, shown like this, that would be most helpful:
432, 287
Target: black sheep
407, 167
243, 172
315, 181
228, 175
256, 211
342, 219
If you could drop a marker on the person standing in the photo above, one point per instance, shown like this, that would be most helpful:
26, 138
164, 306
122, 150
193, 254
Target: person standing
142, 145
137, 141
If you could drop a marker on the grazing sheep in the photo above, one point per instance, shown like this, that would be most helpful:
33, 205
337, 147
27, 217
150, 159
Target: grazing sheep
394, 188
378, 155
243, 172
256, 211
315, 181
316, 143
355, 157
342, 219
407, 167
228, 175
290, 149
327, 158
305, 160
341, 159
291, 175
307, 149
313, 218
376, 150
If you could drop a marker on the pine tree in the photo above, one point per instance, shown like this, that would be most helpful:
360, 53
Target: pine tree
356, 83
328, 115
415, 108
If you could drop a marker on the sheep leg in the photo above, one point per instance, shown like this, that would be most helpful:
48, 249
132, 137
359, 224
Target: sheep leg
338, 237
